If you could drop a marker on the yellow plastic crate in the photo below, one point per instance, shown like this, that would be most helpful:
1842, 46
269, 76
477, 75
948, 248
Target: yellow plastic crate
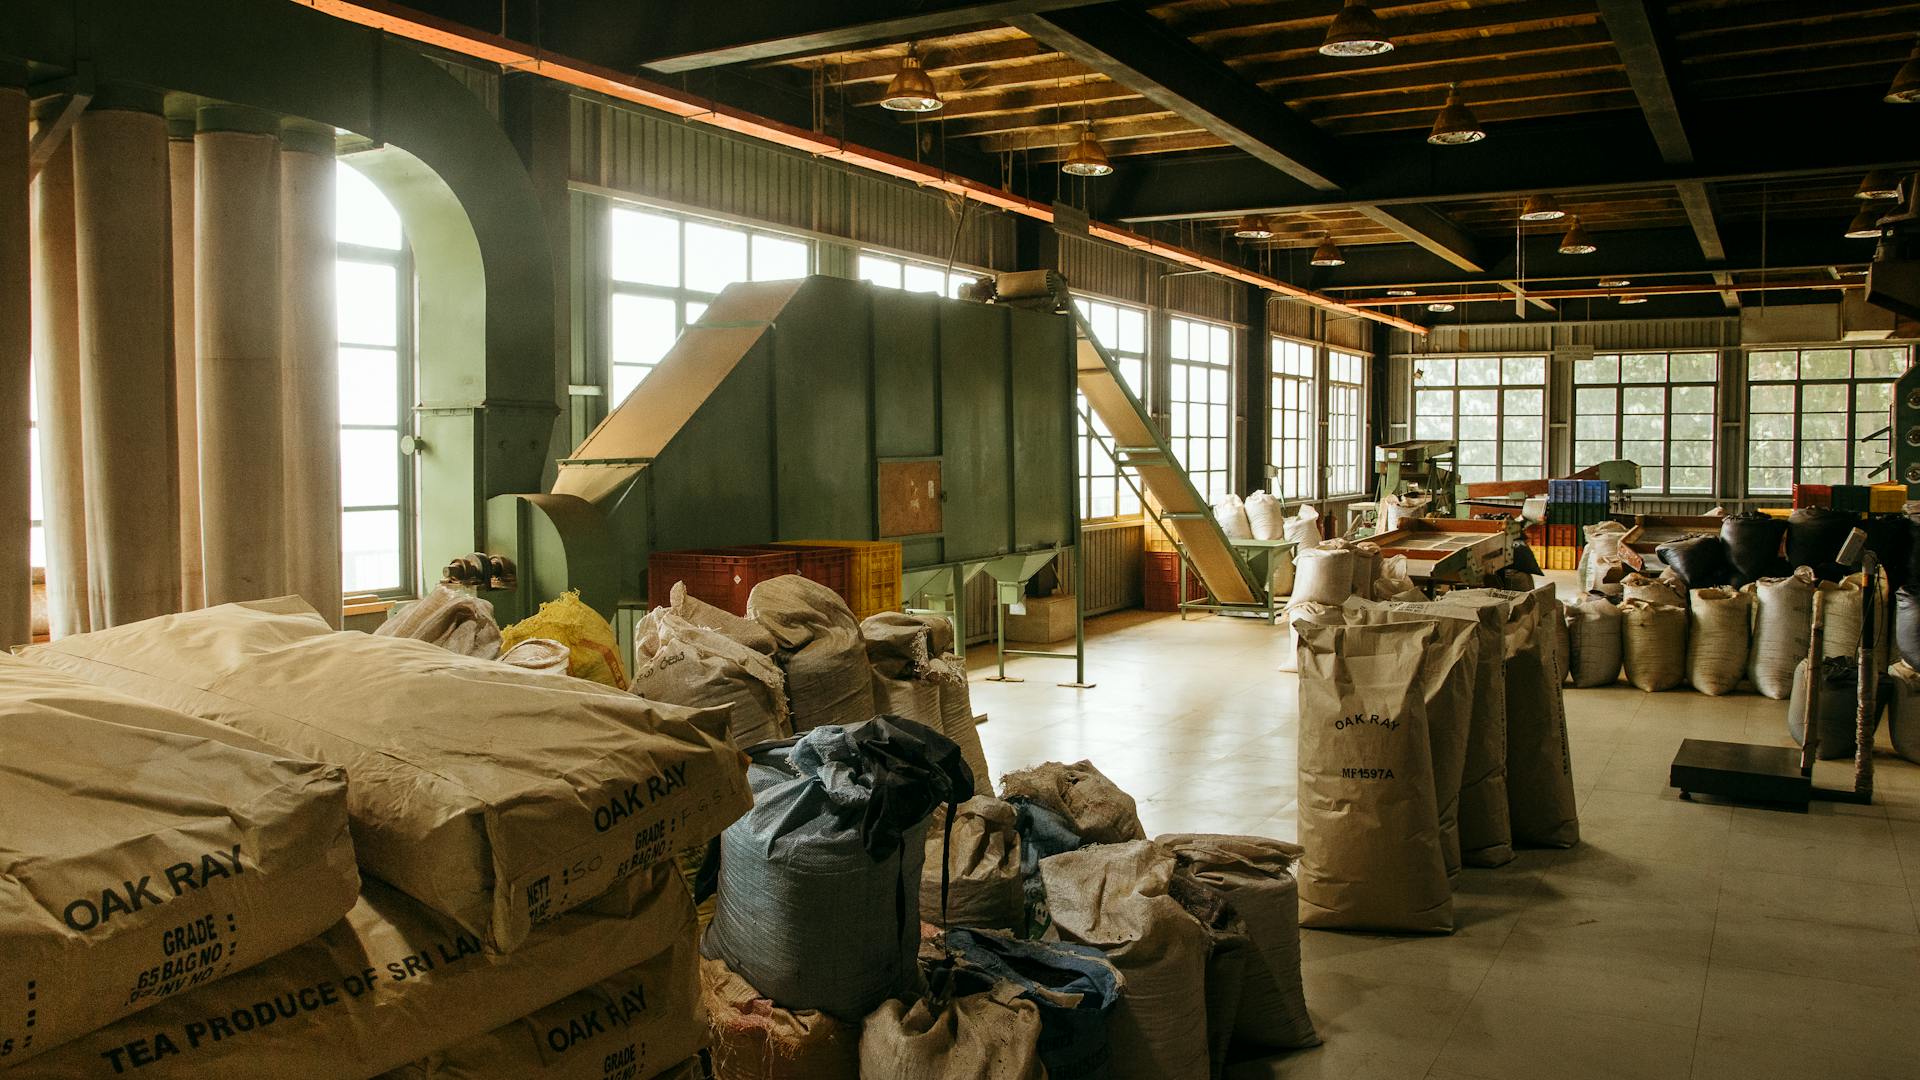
1887, 498
873, 581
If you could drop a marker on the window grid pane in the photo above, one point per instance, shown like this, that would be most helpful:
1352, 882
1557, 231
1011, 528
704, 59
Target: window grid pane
1293, 431
1201, 391
1810, 413
1653, 409
1346, 419
375, 360
1495, 412
1121, 331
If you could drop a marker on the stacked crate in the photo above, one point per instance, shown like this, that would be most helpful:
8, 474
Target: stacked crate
1887, 498
1854, 497
1572, 505
1162, 581
873, 573
1806, 495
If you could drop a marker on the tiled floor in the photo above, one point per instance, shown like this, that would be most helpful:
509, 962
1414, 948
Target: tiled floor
1679, 940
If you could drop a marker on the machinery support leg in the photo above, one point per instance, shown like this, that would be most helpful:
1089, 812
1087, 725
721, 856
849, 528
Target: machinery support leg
1079, 623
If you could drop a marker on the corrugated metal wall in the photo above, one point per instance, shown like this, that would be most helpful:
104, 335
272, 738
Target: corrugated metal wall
484, 82
1545, 337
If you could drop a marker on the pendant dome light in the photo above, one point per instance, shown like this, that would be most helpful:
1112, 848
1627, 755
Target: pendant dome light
1576, 241
1356, 31
1399, 292
912, 89
1253, 228
1613, 283
1440, 306
1866, 224
1542, 208
1906, 83
1086, 158
1327, 254
1879, 185
1456, 124
1633, 298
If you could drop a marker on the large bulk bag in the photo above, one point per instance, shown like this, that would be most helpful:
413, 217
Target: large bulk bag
1116, 898
917, 675
1256, 877
1903, 710
1323, 575
1782, 626
1815, 535
1593, 642
1368, 816
386, 986
1366, 569
1395, 583
1265, 517
818, 899
829, 680
992, 1035
1649, 590
1303, 529
1603, 539
738, 627
1074, 986
594, 648
1843, 604
1093, 806
982, 883
1653, 641
1753, 546
497, 797
1540, 797
1906, 624
679, 663
1449, 672
1718, 635
456, 621
638, 1023
957, 721
1839, 707
1282, 570
1701, 561
146, 852
1305, 611
752, 1038
1231, 513
1397, 510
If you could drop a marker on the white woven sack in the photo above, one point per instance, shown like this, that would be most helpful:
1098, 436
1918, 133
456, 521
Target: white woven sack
1265, 517
1304, 528
1398, 509
1231, 513
1844, 612
1718, 636
1593, 627
1366, 569
1280, 580
1653, 644
1782, 625
1324, 575
1393, 582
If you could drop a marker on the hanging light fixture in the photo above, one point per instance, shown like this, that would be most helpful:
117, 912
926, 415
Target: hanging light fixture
1440, 306
1356, 31
1633, 298
1086, 158
1542, 208
1399, 292
1327, 254
1879, 185
1456, 125
1253, 228
1906, 83
1613, 283
1866, 224
912, 89
1576, 241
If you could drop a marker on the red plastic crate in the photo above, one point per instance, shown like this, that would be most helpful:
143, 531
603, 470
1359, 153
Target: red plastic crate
1812, 495
721, 576
830, 566
1161, 581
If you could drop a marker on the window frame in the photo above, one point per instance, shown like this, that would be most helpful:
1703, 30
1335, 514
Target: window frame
1666, 385
1356, 441
1306, 414
1180, 441
1088, 456
405, 375
1853, 471
1500, 390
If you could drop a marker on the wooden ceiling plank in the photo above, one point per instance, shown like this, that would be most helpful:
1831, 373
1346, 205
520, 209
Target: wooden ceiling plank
688, 37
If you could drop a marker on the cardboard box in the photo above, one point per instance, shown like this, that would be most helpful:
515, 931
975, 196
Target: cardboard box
1048, 619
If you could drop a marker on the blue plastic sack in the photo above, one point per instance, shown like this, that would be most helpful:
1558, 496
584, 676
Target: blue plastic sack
1074, 986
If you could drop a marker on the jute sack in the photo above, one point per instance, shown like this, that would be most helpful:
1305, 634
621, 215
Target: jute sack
917, 675
738, 627
1074, 986
1717, 638
1368, 815
1782, 631
1651, 590
1266, 517
1903, 710
1324, 574
1540, 798
1394, 583
1397, 510
1593, 644
679, 663
1256, 876
497, 797
988, 1036
1653, 644
754, 1039
984, 886
1099, 811
957, 722
454, 620
143, 853
388, 985
829, 680
1450, 669
1115, 897
1845, 609
634, 1024
1366, 568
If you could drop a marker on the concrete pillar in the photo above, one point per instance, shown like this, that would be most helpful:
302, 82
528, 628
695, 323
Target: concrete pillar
310, 367
16, 364
56, 376
123, 257
186, 405
237, 329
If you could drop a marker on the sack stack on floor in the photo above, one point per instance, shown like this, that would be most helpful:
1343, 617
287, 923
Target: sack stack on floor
1653, 643
451, 618
680, 663
819, 647
506, 906
918, 674
1719, 632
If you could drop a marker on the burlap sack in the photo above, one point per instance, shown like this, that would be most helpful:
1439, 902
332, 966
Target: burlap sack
494, 796
1845, 609
456, 621
1782, 631
386, 986
143, 854
1717, 638
1256, 876
700, 613
1651, 590
1099, 811
1231, 515
635, 1025
1366, 568
829, 680
1368, 819
957, 720
1115, 898
754, 1039
1593, 625
1450, 669
917, 675
989, 1036
679, 663
984, 886
1653, 644
1540, 797
1266, 516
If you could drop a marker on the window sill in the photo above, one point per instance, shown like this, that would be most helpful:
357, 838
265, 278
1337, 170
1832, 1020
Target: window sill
366, 606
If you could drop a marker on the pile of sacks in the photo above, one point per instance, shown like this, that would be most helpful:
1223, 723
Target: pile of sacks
250, 845
1263, 517
880, 915
1432, 736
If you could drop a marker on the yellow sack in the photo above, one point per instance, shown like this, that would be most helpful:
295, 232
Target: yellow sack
596, 652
